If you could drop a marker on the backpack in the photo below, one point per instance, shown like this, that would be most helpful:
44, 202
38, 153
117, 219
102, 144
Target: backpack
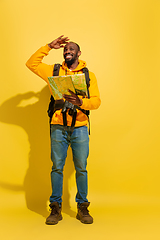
55, 105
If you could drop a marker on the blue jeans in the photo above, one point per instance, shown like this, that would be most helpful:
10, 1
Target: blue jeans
79, 141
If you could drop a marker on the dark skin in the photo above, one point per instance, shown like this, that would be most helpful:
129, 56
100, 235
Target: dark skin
73, 98
71, 56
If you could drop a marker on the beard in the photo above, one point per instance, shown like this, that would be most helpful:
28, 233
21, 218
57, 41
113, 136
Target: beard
70, 61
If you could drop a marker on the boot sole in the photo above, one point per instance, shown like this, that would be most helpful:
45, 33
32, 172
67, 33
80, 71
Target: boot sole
83, 221
54, 223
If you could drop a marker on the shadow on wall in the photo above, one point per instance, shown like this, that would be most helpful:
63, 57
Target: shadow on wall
34, 120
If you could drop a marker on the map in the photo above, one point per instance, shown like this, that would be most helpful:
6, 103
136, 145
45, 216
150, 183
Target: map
60, 84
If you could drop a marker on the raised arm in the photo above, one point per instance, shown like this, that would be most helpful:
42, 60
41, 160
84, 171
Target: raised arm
35, 61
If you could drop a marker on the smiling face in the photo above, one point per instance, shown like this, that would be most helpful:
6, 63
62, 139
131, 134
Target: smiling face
71, 53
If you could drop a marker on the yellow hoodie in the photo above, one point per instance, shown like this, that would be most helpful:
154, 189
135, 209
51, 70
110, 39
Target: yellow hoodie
44, 71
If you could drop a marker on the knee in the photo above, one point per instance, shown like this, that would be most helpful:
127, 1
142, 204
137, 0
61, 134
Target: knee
58, 166
80, 166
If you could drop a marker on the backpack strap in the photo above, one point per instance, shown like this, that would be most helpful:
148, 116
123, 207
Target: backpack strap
52, 108
56, 69
87, 112
86, 72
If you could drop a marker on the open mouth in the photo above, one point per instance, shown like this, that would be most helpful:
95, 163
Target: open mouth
68, 56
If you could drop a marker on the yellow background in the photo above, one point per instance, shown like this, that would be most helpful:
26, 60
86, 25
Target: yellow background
120, 41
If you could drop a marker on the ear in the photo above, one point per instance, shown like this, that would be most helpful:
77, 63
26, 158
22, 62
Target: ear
79, 53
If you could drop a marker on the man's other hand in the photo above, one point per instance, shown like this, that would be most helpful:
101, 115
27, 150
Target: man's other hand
73, 98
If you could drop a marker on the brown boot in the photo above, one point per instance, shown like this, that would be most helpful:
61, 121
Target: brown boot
83, 213
55, 215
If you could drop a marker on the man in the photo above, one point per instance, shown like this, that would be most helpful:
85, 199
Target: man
60, 139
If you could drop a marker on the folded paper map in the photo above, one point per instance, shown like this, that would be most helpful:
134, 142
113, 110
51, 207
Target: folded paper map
60, 84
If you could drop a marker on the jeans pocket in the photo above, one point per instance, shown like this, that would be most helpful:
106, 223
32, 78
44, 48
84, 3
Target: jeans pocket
80, 134
57, 133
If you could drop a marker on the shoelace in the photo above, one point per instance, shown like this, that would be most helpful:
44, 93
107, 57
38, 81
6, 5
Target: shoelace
84, 210
54, 210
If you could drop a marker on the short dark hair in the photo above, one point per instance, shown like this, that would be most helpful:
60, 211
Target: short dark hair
76, 45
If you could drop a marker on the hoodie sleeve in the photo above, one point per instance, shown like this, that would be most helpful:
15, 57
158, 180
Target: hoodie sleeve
94, 101
35, 63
